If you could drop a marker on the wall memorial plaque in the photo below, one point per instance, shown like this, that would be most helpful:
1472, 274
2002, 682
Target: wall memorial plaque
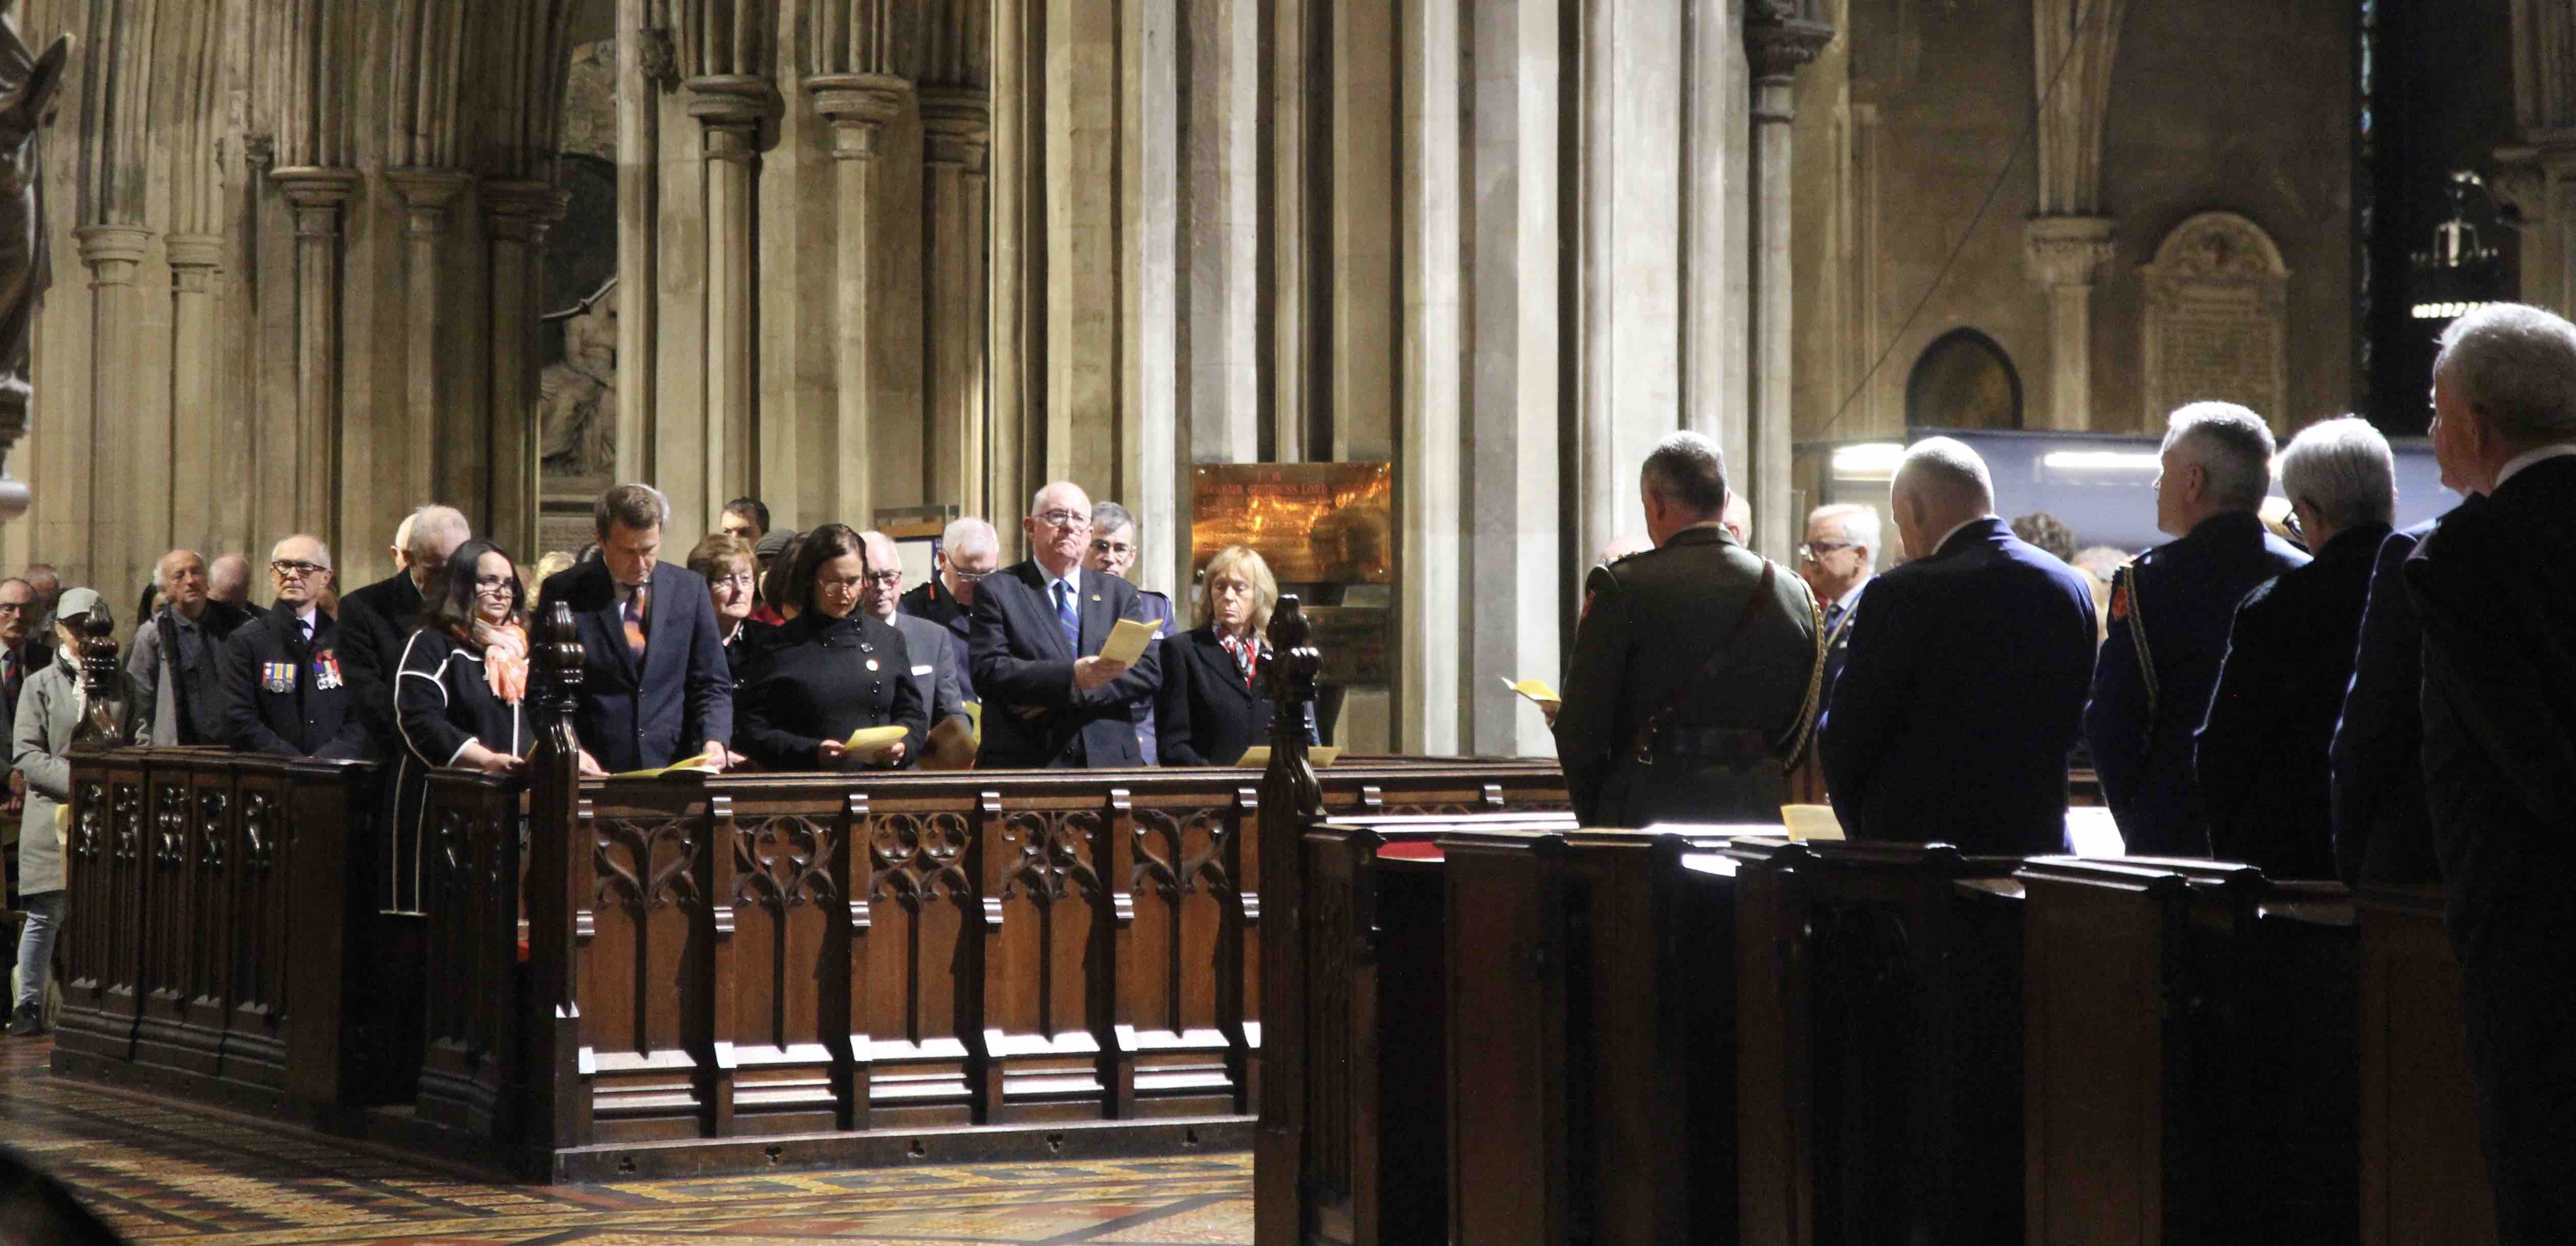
1314, 523
1353, 640
2217, 319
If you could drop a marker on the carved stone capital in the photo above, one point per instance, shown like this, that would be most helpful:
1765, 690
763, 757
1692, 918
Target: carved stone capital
1781, 36
728, 101
523, 212
112, 251
858, 106
317, 195
957, 127
428, 193
193, 260
2536, 181
2067, 250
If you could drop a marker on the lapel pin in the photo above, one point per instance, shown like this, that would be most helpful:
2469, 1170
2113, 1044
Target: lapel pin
1095, 596
872, 663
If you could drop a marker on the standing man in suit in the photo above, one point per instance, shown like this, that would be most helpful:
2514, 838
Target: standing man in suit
1837, 562
655, 685
286, 692
969, 550
2500, 738
2170, 611
1113, 553
1693, 683
1050, 699
2383, 829
2262, 754
1966, 678
376, 622
934, 662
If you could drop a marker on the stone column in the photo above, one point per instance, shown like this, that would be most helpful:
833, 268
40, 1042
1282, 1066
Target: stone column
643, 65
2538, 181
427, 194
122, 478
955, 140
519, 215
730, 107
2066, 255
195, 387
1430, 473
1779, 36
1015, 291
858, 106
317, 195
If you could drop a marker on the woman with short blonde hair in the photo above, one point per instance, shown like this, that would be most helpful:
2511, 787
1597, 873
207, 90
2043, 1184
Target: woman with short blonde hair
1212, 706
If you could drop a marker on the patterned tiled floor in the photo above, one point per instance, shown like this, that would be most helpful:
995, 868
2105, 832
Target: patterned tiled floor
158, 1173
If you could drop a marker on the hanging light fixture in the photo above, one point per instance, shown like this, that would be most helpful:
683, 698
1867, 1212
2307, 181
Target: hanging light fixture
2457, 274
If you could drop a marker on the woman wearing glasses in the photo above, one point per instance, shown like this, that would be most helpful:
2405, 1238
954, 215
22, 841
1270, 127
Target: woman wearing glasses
730, 568
458, 694
832, 670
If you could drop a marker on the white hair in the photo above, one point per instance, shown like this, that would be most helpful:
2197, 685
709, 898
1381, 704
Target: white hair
2232, 444
2517, 366
321, 554
1037, 500
2342, 470
161, 567
1951, 469
968, 535
1859, 524
425, 526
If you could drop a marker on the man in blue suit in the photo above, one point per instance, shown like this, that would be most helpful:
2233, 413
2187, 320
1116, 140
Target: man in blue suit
1964, 685
655, 685
2170, 614
1050, 698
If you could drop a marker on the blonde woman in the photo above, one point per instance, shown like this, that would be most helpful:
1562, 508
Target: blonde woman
1213, 705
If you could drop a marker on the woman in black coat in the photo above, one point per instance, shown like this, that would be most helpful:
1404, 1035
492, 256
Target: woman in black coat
458, 695
830, 671
1212, 706
725, 561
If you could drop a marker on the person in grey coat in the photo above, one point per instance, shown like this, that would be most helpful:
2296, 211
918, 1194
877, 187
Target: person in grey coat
50, 713
933, 653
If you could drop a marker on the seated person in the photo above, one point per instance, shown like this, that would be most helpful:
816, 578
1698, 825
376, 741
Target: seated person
831, 670
1212, 706
458, 693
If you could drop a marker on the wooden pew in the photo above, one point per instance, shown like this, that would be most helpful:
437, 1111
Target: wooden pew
1878, 1052
2423, 1175
2192, 1055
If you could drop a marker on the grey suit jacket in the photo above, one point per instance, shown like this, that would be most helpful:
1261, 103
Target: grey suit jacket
934, 666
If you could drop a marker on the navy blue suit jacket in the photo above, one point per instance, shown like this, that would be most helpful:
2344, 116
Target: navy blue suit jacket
1962, 694
2383, 829
1032, 715
636, 717
2183, 594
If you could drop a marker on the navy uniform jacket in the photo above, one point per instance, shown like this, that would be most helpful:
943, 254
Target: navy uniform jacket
287, 697
1963, 693
2262, 753
636, 717
1032, 715
931, 601
2176, 603
2383, 831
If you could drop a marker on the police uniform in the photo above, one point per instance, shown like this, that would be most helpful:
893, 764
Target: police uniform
286, 694
2170, 613
1692, 686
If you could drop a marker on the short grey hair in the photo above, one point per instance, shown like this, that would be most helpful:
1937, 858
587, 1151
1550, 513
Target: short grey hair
2342, 470
430, 523
964, 536
161, 567
2516, 365
1859, 524
2230, 443
321, 548
1687, 470
1950, 466
1110, 517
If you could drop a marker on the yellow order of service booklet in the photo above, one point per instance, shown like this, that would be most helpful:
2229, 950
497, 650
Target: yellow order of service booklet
1537, 690
698, 762
871, 743
1127, 641
1258, 757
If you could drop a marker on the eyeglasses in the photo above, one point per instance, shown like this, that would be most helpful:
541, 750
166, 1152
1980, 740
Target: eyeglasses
969, 577
16, 607
885, 577
739, 579
1815, 551
1065, 519
292, 570
493, 583
1120, 548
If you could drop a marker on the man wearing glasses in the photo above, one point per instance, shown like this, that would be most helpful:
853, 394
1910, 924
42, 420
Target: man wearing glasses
1050, 699
1113, 553
1837, 562
938, 662
284, 690
969, 550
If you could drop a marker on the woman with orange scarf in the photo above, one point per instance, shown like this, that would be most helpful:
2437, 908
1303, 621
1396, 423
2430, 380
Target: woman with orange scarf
458, 694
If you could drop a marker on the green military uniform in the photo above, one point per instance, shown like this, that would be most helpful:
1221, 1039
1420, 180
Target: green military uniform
1652, 625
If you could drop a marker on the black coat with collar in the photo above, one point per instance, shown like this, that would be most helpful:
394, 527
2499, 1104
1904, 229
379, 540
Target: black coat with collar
1204, 715
2383, 829
286, 697
1033, 717
375, 623
820, 678
932, 601
635, 716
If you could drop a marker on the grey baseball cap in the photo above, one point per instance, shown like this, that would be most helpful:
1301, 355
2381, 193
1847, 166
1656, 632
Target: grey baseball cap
76, 602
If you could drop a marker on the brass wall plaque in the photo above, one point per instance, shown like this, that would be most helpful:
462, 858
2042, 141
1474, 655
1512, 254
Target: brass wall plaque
1353, 641
1314, 523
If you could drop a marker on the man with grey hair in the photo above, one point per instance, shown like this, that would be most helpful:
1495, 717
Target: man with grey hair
175, 651
2170, 611
285, 691
1051, 698
936, 665
656, 687
228, 581
1692, 685
1965, 686
376, 620
2499, 705
2261, 757
968, 551
1114, 547
1837, 561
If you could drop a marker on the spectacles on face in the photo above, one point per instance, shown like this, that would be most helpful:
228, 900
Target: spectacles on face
886, 579
492, 583
1066, 519
1815, 551
970, 577
1115, 549
15, 609
839, 587
290, 569
740, 579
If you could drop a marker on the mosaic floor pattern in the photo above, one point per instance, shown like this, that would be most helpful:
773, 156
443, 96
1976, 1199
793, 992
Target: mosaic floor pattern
159, 1173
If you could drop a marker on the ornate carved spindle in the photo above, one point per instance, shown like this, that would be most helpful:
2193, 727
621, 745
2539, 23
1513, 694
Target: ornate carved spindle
102, 682
558, 1114
1289, 796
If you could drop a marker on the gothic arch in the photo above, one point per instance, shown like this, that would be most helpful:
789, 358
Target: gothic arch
1963, 380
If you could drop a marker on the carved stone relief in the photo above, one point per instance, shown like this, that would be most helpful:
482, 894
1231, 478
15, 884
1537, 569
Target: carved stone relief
2217, 319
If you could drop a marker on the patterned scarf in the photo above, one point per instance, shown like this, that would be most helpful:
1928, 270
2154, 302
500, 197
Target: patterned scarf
1247, 655
505, 659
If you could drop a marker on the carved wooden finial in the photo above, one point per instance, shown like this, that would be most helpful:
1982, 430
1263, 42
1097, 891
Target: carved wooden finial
102, 682
558, 694
1290, 783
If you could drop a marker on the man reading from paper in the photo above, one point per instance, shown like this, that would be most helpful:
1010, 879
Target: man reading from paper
1051, 698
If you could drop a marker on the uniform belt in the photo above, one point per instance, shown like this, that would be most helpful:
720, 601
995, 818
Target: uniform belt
1714, 743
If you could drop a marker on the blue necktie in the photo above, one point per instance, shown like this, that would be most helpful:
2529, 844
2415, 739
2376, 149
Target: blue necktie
1064, 617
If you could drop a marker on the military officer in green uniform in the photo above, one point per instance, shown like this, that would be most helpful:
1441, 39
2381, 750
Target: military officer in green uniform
1693, 683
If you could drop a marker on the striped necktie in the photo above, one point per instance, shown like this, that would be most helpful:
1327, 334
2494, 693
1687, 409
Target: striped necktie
634, 614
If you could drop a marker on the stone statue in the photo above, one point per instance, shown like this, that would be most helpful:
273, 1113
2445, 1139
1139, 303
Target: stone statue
577, 394
28, 85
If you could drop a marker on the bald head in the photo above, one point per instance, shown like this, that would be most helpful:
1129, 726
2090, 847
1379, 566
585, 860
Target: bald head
228, 580
1941, 484
879, 594
428, 537
1059, 526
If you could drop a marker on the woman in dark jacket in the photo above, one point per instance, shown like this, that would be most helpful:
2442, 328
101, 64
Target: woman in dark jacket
1212, 706
831, 670
725, 562
458, 694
